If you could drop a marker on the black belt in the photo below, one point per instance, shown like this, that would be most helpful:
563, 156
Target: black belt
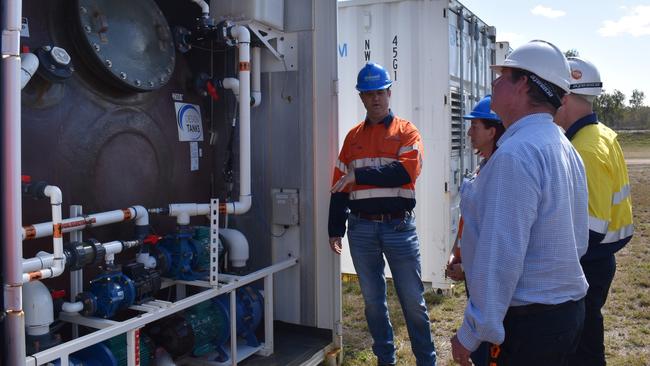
383, 217
531, 309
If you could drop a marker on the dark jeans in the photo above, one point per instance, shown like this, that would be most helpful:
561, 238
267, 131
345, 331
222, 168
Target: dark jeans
542, 338
591, 349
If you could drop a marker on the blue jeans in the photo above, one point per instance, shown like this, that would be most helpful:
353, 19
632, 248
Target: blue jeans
398, 241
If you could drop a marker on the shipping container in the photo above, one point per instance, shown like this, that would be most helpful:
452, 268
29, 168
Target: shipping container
438, 54
185, 148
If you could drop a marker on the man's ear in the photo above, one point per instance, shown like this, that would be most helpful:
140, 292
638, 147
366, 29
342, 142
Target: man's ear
565, 99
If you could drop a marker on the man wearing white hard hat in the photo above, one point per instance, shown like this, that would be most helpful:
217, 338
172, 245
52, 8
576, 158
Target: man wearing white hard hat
522, 268
610, 204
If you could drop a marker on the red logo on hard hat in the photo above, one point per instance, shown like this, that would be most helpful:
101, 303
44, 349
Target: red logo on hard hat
576, 74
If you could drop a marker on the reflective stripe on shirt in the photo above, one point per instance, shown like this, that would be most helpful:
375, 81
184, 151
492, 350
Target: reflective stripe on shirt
615, 236
598, 225
382, 193
621, 195
365, 162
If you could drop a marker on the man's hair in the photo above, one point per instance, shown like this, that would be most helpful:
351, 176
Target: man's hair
535, 93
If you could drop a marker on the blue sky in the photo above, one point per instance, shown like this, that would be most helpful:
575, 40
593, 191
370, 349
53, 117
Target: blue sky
614, 35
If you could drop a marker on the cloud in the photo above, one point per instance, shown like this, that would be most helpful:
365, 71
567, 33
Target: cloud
547, 12
513, 38
636, 23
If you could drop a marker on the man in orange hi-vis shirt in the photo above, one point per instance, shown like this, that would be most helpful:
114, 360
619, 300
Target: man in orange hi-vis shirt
374, 190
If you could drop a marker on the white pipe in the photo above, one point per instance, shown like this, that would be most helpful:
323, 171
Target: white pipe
256, 66
42, 265
243, 37
205, 8
28, 65
238, 252
141, 215
11, 215
39, 309
147, 260
44, 229
42, 260
232, 84
72, 307
112, 248
183, 211
56, 200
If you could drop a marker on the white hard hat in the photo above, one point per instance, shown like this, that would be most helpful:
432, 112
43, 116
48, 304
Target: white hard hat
542, 59
585, 78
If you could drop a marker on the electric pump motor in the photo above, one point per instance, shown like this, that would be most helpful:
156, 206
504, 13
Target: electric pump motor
147, 282
109, 292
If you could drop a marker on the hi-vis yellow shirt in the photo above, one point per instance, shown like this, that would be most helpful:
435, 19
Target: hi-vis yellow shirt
610, 203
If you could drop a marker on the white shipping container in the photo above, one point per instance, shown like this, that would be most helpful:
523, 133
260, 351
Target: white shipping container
438, 76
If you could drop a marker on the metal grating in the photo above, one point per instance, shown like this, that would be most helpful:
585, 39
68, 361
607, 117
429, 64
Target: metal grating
456, 121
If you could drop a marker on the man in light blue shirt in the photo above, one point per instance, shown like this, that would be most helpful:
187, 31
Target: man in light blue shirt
526, 223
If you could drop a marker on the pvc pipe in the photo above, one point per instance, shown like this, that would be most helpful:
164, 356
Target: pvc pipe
238, 250
41, 265
39, 308
42, 260
205, 8
57, 217
72, 307
243, 37
11, 245
28, 65
44, 229
232, 84
147, 260
183, 211
256, 66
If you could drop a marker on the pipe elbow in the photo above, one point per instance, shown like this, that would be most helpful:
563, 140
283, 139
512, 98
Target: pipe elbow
72, 307
205, 8
256, 99
232, 84
238, 250
141, 215
55, 194
240, 207
28, 64
241, 34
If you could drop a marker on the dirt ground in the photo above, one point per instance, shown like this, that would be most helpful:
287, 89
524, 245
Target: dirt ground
627, 312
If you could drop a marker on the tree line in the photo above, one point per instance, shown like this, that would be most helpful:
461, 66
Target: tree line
613, 111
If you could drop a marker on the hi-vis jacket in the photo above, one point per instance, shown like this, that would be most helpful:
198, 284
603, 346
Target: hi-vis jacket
610, 204
387, 158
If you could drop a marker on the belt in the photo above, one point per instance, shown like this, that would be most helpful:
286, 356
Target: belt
531, 309
383, 217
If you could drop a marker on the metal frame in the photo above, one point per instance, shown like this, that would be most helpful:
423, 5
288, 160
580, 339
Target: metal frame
157, 309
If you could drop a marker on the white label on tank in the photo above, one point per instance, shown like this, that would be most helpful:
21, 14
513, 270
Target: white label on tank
194, 156
188, 121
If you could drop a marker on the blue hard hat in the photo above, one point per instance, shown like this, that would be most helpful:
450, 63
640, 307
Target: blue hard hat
482, 110
373, 77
